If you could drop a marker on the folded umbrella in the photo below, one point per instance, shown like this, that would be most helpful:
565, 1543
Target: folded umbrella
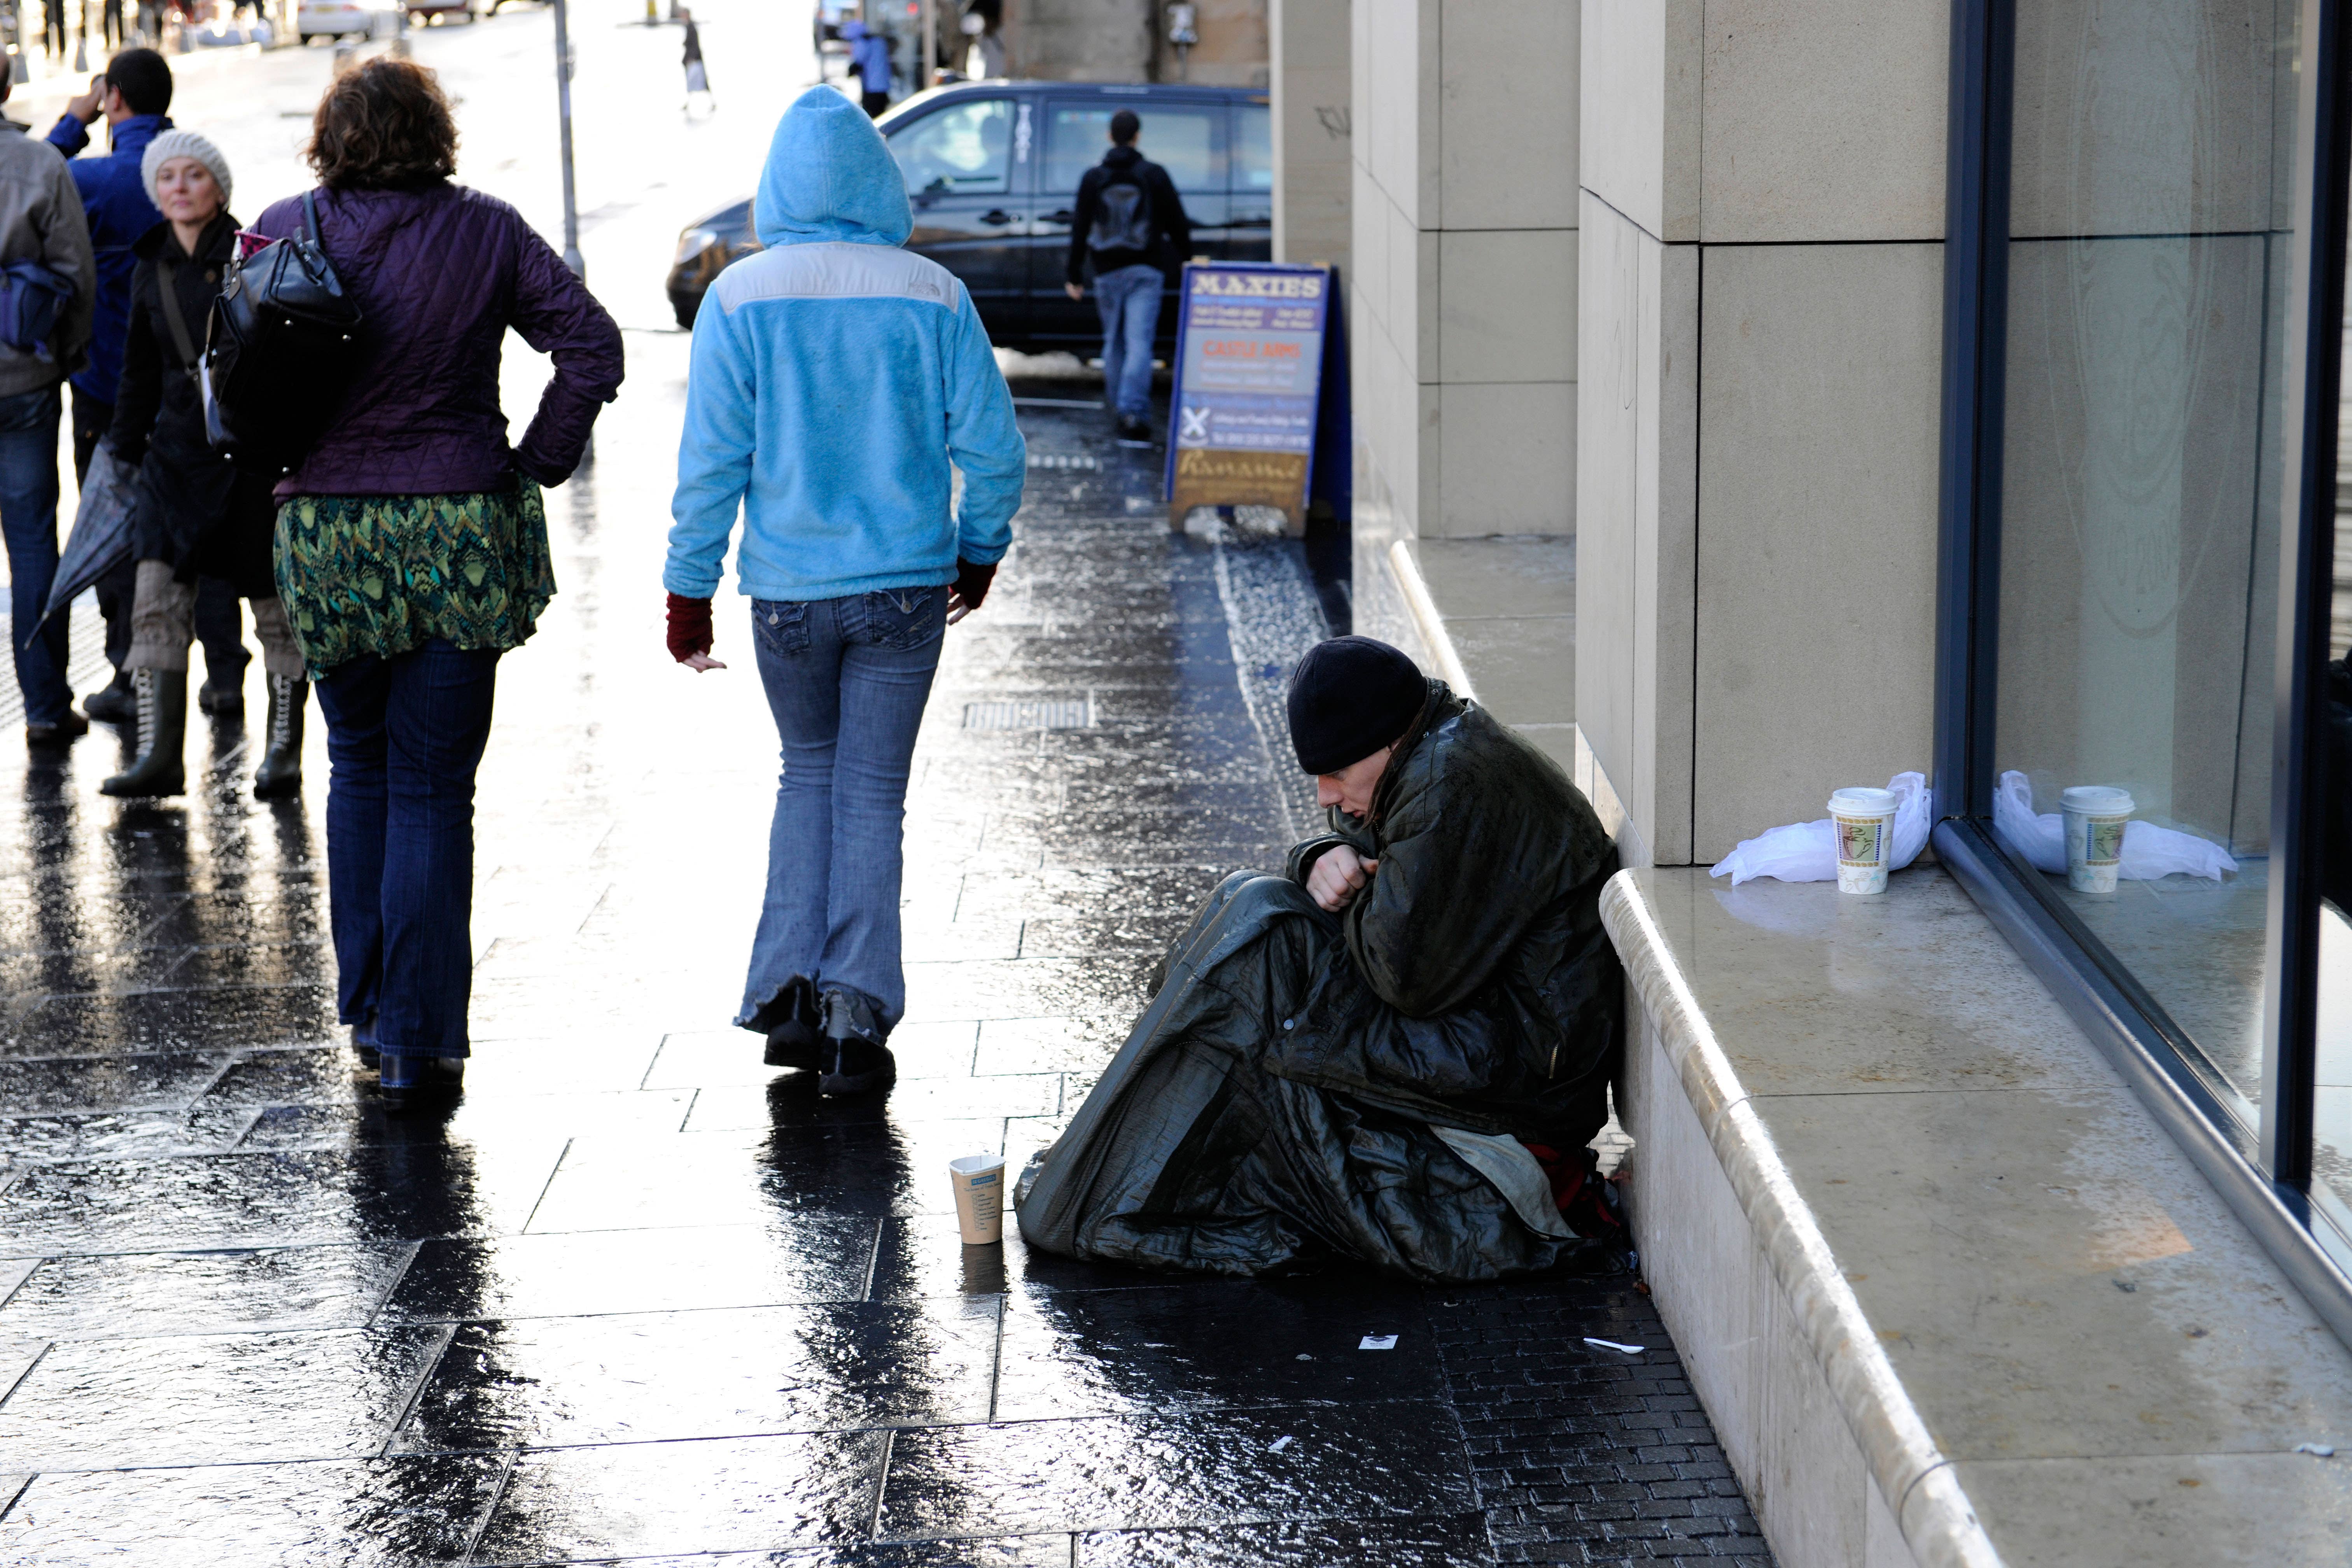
102, 532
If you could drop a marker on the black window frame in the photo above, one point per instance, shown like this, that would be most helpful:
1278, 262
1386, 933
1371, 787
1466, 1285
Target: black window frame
2263, 1168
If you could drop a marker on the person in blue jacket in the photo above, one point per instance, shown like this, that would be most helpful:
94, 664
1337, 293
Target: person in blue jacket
869, 59
830, 388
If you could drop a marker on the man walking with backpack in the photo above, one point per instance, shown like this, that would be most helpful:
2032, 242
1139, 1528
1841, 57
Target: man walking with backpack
1130, 225
43, 243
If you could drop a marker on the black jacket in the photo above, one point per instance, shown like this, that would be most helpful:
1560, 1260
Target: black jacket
193, 510
1170, 245
1283, 1095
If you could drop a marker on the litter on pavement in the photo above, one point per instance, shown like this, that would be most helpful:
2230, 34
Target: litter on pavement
1378, 1342
1612, 1345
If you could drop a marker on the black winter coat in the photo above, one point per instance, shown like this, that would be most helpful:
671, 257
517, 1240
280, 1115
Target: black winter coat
193, 511
1307, 1084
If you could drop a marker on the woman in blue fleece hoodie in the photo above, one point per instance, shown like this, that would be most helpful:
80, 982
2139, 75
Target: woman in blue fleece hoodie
834, 378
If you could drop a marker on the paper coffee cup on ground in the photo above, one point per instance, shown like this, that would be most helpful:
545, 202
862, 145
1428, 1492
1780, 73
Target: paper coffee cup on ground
978, 1197
2095, 816
1862, 822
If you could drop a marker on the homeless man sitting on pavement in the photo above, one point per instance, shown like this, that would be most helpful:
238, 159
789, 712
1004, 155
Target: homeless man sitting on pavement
1377, 1053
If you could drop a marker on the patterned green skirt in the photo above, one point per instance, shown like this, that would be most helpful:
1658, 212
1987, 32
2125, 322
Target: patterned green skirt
386, 574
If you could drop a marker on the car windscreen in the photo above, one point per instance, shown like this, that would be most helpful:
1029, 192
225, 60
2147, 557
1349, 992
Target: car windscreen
965, 148
1185, 139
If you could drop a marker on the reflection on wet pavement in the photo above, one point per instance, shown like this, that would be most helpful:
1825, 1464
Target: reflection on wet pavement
638, 1296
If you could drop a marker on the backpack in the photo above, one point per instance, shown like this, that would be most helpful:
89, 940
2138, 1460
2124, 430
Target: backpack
31, 298
279, 350
1123, 214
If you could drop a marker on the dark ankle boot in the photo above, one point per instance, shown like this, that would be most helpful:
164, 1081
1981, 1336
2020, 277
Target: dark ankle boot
163, 698
411, 1083
280, 773
856, 1059
222, 694
112, 704
793, 1019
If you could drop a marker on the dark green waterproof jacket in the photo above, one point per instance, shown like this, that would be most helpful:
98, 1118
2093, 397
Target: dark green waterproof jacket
1307, 1084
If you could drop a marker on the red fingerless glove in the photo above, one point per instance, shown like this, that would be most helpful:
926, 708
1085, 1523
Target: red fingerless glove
689, 627
972, 582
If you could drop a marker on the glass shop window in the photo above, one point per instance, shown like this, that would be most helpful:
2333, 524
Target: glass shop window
2150, 236
964, 149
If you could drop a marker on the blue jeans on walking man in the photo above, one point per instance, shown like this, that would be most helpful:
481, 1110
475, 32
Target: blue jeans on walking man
28, 518
404, 735
1129, 300
847, 680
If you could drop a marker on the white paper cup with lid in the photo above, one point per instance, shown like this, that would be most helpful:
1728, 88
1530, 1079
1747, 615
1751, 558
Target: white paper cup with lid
2095, 816
978, 1197
1862, 822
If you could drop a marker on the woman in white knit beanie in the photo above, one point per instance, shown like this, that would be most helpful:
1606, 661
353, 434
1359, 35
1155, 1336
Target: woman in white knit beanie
193, 514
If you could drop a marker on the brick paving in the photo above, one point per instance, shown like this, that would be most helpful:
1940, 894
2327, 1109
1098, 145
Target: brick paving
638, 1296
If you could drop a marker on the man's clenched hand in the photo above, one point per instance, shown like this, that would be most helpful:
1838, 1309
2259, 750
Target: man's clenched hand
1337, 875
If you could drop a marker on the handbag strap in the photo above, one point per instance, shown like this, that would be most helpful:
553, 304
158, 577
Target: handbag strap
167, 288
310, 219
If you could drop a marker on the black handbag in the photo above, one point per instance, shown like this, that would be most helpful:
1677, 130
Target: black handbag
280, 352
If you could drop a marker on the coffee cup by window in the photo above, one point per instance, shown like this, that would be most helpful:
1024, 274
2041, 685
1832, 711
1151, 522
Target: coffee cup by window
2095, 816
1862, 822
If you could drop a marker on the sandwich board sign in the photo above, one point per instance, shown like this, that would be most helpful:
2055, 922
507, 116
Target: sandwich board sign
1249, 372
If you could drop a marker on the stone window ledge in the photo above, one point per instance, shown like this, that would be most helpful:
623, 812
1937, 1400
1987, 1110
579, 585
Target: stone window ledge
1949, 1294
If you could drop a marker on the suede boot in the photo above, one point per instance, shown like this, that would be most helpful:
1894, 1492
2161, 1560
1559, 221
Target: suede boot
112, 704
856, 1059
280, 773
162, 696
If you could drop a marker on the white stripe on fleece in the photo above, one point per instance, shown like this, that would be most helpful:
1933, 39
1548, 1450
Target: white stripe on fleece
835, 271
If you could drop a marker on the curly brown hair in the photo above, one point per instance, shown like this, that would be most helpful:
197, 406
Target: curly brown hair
384, 126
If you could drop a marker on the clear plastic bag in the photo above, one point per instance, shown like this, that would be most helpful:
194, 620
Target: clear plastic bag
2149, 851
1807, 851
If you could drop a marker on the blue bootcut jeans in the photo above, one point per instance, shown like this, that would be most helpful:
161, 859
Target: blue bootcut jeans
1128, 301
404, 735
29, 519
847, 680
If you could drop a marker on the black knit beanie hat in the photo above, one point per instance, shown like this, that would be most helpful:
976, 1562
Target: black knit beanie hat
1348, 698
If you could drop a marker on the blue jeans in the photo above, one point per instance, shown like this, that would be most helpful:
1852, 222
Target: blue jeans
1129, 299
404, 735
28, 519
847, 680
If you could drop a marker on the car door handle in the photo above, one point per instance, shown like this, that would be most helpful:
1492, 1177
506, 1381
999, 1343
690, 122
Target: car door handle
996, 216
1065, 216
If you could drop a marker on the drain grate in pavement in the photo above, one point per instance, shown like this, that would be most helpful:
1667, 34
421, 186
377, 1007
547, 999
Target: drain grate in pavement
1063, 461
1037, 713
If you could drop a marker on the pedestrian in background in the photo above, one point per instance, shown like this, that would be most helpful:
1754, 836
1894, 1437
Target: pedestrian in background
192, 511
409, 563
834, 378
40, 222
134, 96
869, 60
697, 76
1131, 231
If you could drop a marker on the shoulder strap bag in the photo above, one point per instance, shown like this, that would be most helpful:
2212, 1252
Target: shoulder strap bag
280, 352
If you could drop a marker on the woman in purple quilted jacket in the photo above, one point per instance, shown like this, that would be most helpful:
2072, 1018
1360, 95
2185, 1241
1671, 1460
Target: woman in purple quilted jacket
412, 548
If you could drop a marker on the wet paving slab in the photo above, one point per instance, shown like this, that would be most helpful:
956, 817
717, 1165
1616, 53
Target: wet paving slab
638, 1297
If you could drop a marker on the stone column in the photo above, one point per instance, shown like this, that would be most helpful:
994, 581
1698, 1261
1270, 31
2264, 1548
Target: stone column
1760, 346
1312, 170
1464, 332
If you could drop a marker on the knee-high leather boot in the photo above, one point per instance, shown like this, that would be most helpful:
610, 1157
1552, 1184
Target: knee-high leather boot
162, 696
280, 773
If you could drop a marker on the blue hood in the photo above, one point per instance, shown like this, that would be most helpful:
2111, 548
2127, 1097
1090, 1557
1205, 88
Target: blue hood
830, 177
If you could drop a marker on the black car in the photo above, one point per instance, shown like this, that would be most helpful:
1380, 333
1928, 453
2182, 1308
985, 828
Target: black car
993, 168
